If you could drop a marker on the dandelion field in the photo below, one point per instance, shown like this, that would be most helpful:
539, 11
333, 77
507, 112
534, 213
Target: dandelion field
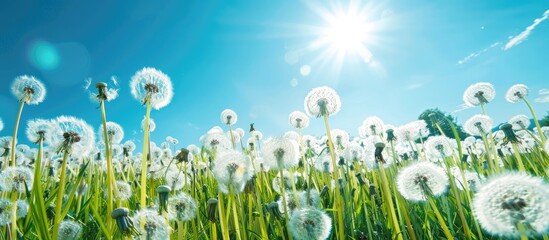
388, 182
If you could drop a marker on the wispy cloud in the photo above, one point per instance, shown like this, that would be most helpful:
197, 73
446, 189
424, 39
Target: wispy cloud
414, 86
543, 96
477, 53
516, 40
461, 108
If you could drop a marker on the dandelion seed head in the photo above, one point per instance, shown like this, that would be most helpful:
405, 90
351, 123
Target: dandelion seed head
293, 135
28, 89
115, 132
324, 163
472, 179
371, 126
322, 100
152, 124
277, 186
124, 190
182, 207
479, 93
512, 198
417, 181
69, 230
309, 224
280, 153
73, 135
22, 209
154, 84
516, 93
232, 168
216, 140
155, 225
439, 146
298, 119
353, 152
15, 179
5, 211
520, 122
228, 117
340, 137
176, 179
478, 125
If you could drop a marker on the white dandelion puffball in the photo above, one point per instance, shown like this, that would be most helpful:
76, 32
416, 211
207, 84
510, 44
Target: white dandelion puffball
152, 124
150, 83
512, 198
28, 89
182, 207
280, 153
516, 93
298, 119
216, 141
228, 117
340, 137
472, 179
39, 129
479, 93
520, 122
232, 168
322, 100
15, 179
74, 134
310, 223
69, 230
417, 181
115, 132
478, 125
371, 126
155, 225
439, 146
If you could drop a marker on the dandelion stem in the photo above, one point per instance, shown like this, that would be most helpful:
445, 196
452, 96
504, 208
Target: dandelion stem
59, 200
15, 130
538, 127
143, 186
110, 177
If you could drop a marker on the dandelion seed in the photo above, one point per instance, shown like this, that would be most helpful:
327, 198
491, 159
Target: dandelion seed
228, 117
104, 93
16, 179
69, 230
371, 126
280, 153
152, 84
182, 207
439, 146
309, 224
511, 199
479, 93
28, 89
73, 135
322, 101
232, 168
155, 225
420, 180
115, 132
124, 190
520, 122
152, 124
478, 125
298, 119
516, 93
216, 141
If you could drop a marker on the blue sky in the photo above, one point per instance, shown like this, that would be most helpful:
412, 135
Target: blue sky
248, 56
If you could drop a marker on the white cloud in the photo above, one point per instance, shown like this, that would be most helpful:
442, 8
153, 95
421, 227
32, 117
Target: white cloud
516, 40
543, 96
478, 53
460, 108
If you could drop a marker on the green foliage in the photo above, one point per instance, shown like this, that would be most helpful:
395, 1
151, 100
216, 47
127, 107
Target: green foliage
434, 115
545, 120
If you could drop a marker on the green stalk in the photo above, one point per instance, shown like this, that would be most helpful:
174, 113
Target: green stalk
37, 198
440, 220
337, 203
223, 222
15, 130
232, 138
517, 156
143, 186
59, 201
538, 127
386, 191
14, 215
287, 219
109, 165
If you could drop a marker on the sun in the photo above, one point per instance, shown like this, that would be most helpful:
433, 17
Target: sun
347, 33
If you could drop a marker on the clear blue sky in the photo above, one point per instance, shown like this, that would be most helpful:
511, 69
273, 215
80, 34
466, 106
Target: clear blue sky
247, 56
